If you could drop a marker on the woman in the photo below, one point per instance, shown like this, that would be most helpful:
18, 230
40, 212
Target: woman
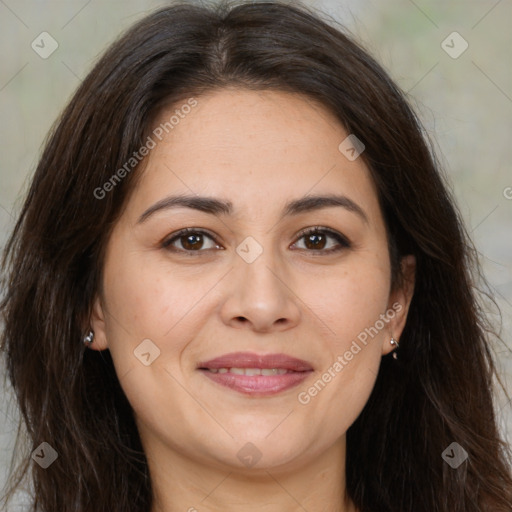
239, 282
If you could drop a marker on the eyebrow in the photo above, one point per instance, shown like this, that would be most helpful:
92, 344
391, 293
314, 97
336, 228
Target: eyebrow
218, 207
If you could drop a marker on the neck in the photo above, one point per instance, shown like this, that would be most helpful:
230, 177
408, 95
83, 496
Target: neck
184, 485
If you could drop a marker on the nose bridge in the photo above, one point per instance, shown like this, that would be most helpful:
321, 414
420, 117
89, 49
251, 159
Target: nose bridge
259, 294
259, 274
256, 269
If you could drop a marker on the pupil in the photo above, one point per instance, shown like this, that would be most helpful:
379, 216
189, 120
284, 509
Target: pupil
192, 242
317, 241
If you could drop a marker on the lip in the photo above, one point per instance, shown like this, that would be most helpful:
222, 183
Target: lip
257, 385
252, 360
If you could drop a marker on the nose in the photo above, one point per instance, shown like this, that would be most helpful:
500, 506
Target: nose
260, 297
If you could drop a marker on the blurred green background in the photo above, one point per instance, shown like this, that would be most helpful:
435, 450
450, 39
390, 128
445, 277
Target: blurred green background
465, 104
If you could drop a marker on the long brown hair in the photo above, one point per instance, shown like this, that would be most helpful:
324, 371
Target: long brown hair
438, 392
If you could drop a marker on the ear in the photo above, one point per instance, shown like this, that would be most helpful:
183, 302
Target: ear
97, 322
399, 302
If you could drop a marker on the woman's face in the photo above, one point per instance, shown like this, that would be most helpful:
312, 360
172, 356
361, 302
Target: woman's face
303, 319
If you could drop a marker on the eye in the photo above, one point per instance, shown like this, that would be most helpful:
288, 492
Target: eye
321, 239
316, 239
191, 240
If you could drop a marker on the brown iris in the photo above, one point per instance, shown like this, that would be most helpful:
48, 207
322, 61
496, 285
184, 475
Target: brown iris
315, 241
191, 242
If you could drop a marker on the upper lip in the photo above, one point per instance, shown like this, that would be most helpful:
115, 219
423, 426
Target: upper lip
251, 360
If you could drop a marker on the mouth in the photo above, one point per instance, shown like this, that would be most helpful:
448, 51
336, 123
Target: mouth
256, 375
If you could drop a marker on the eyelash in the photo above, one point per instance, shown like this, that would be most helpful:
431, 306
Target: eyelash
343, 242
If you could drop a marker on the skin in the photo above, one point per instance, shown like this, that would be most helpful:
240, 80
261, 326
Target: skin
257, 150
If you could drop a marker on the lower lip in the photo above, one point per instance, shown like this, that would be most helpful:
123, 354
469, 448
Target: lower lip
261, 385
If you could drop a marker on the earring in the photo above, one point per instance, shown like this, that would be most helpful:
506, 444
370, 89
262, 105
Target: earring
394, 342
88, 339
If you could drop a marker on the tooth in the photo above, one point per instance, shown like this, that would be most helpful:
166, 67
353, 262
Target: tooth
252, 371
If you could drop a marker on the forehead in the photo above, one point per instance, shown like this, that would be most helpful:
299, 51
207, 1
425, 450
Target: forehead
255, 148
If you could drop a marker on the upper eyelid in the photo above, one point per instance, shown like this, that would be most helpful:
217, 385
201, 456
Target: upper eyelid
313, 229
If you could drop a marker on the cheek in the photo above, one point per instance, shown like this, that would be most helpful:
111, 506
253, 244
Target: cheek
144, 296
349, 305
348, 300
148, 302
146, 299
